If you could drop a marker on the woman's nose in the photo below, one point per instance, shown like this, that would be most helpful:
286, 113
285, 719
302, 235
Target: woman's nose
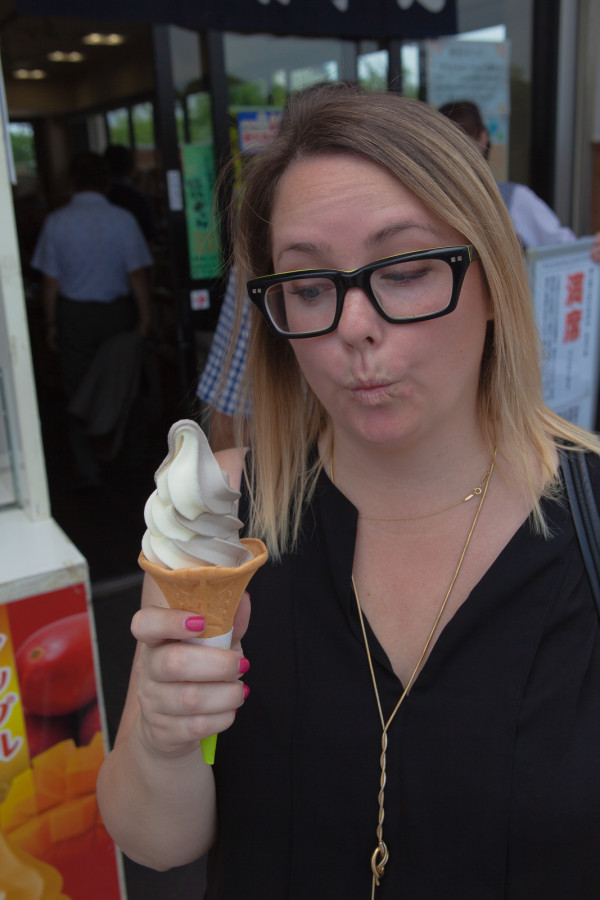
359, 321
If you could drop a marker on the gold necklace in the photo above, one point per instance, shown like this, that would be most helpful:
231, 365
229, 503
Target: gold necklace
476, 492
380, 856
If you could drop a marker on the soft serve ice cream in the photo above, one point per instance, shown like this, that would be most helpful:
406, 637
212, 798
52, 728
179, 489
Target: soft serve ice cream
192, 548
191, 515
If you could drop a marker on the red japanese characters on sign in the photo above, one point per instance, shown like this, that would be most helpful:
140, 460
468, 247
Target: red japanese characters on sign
10, 743
6, 704
573, 302
5, 674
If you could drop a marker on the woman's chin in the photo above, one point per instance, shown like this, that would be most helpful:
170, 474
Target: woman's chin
382, 429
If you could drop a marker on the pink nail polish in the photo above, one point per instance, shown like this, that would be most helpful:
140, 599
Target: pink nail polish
246, 691
195, 623
243, 666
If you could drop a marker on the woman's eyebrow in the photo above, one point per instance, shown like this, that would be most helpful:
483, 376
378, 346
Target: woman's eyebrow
388, 231
323, 250
312, 248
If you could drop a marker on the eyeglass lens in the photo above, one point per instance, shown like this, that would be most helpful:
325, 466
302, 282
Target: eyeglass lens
403, 290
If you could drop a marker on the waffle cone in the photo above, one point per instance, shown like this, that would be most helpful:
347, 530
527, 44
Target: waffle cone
210, 591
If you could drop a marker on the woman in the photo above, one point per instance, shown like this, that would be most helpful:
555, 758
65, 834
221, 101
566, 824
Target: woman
424, 714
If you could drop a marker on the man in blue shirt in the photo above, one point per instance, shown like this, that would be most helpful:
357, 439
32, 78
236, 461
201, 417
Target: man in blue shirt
93, 257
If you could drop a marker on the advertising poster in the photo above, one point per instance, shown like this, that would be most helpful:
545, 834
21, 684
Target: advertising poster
566, 292
256, 127
53, 845
204, 245
251, 128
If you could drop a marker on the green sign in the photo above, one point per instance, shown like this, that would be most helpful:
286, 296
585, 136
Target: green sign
204, 246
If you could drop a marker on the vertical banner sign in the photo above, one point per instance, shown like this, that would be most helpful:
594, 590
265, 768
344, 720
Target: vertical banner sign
566, 290
53, 845
204, 246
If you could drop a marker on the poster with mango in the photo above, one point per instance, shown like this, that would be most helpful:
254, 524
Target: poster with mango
53, 845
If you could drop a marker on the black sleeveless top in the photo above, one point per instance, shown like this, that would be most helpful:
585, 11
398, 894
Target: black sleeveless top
493, 765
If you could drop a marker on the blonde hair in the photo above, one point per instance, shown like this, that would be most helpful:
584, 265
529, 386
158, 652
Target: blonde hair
438, 163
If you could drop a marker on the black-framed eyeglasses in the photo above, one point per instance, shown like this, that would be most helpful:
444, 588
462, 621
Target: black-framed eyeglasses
411, 287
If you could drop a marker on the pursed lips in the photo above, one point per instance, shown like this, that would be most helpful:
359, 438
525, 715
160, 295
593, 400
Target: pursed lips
370, 389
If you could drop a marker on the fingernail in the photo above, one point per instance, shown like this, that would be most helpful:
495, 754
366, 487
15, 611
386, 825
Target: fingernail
243, 666
195, 623
246, 691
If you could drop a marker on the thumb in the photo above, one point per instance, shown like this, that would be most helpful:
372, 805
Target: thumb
241, 620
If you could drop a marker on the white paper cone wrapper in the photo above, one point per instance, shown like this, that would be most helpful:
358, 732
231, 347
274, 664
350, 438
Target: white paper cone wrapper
220, 641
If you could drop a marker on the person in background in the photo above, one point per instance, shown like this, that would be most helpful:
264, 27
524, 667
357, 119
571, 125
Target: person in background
122, 192
93, 257
416, 709
536, 224
222, 377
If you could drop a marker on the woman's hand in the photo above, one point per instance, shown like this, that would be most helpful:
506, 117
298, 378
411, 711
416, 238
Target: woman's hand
156, 793
185, 691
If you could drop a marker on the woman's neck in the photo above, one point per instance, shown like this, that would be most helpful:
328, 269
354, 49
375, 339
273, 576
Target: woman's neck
415, 478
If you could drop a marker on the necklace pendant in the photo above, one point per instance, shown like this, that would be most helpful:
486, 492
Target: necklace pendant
379, 861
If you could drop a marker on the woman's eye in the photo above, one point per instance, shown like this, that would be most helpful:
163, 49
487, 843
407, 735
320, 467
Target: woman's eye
309, 292
405, 276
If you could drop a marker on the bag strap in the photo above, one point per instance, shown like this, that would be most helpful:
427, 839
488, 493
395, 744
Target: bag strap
585, 514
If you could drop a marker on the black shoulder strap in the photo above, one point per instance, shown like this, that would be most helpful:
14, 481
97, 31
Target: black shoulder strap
585, 514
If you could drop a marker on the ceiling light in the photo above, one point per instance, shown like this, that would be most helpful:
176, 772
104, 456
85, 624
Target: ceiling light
60, 56
29, 74
107, 40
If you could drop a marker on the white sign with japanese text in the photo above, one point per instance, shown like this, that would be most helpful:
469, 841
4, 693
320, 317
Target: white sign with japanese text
565, 283
256, 127
469, 70
477, 71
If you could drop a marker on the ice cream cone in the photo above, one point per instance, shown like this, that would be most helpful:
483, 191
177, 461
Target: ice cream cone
213, 592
